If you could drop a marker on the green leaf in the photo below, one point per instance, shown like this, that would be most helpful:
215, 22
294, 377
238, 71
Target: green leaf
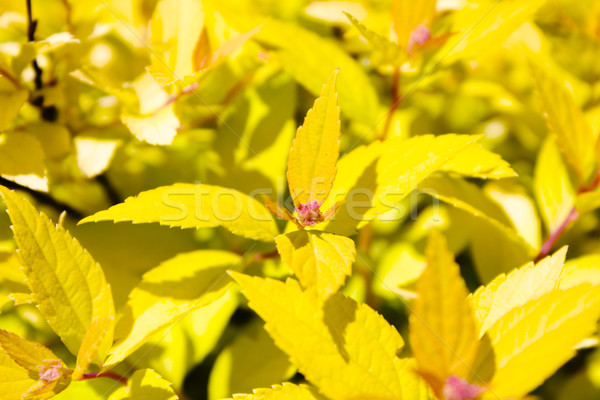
553, 324
310, 60
553, 189
477, 162
286, 391
22, 160
67, 284
346, 349
251, 360
320, 260
443, 330
47, 372
506, 292
314, 153
568, 124
195, 206
169, 292
145, 384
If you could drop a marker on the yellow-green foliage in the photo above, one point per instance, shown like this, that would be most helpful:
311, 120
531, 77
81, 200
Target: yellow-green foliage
299, 200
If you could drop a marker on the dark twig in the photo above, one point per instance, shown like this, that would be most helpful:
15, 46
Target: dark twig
31, 27
395, 103
43, 198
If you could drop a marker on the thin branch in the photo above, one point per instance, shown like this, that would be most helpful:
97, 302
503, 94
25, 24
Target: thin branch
106, 374
10, 78
395, 103
43, 198
571, 217
31, 27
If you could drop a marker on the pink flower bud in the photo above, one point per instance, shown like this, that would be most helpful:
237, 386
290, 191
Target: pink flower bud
51, 370
309, 213
457, 388
420, 35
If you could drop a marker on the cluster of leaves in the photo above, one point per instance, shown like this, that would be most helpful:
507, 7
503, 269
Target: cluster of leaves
305, 290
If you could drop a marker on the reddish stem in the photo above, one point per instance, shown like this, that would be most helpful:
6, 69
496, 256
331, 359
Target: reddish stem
396, 100
106, 374
573, 215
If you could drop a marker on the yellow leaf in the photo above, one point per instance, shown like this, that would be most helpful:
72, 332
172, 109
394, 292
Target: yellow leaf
95, 337
22, 160
408, 14
169, 292
14, 379
27, 354
251, 360
482, 26
47, 374
143, 385
568, 124
585, 269
176, 27
10, 104
355, 174
157, 128
314, 153
506, 292
345, 348
320, 260
67, 284
94, 155
478, 162
525, 337
553, 189
405, 163
391, 53
195, 206
286, 391
443, 331
310, 58
202, 55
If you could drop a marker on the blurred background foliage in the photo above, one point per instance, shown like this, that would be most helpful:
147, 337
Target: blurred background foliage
132, 95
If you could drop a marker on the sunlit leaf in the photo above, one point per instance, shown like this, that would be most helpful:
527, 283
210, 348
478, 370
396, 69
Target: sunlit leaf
169, 292
568, 124
157, 128
252, 360
10, 104
310, 59
552, 324
22, 160
314, 153
94, 155
195, 206
90, 346
320, 260
506, 292
67, 284
346, 349
145, 384
443, 330
478, 162
553, 188
286, 391
50, 375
